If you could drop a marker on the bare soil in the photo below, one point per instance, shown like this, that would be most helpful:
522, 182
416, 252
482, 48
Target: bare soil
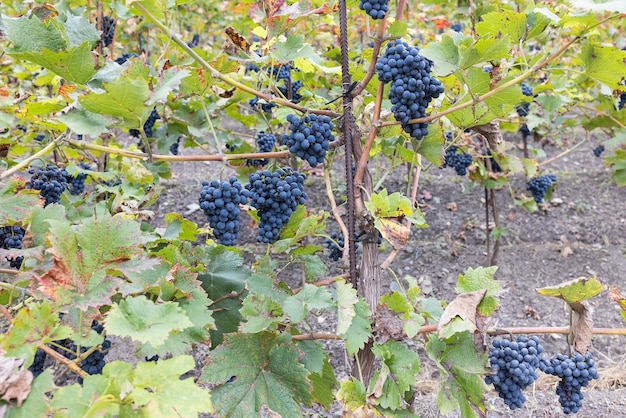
581, 233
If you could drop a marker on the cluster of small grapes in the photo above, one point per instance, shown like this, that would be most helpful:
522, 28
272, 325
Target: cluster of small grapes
524, 108
597, 151
50, 181
40, 137
622, 101
376, 9
94, 363
295, 95
336, 245
264, 143
515, 363
275, 195
309, 137
538, 186
125, 57
174, 146
412, 86
37, 367
147, 126
456, 27
220, 202
459, 162
495, 167
280, 73
265, 107
195, 41
76, 184
12, 237
575, 373
108, 30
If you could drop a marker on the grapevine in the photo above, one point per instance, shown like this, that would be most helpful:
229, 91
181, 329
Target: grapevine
456, 160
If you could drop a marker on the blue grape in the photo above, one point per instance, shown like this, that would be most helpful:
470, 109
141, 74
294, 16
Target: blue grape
174, 147
495, 167
597, 151
11, 237
456, 27
220, 202
265, 107
264, 143
275, 196
38, 363
50, 181
195, 41
525, 131
108, 30
309, 137
76, 184
459, 162
622, 101
376, 9
515, 364
335, 245
575, 373
523, 109
148, 125
125, 57
538, 186
412, 86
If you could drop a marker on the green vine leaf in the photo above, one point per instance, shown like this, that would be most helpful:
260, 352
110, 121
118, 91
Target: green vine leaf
87, 400
604, 64
260, 313
142, 320
496, 23
36, 405
396, 376
253, 370
574, 291
479, 279
617, 162
309, 298
445, 55
16, 207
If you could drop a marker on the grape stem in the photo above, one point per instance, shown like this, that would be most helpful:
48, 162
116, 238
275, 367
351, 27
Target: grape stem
45, 150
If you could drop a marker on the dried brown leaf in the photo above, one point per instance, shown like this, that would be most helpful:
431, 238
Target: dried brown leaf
387, 325
582, 326
15, 383
464, 306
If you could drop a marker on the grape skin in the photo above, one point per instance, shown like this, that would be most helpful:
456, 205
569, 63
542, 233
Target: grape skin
220, 202
597, 151
335, 245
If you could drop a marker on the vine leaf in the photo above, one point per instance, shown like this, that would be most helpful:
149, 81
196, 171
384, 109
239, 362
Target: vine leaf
16, 206
260, 313
225, 274
461, 371
253, 370
604, 64
574, 291
160, 391
146, 322
496, 23
15, 380
477, 279
460, 315
36, 405
611, 5
90, 399
615, 296
84, 122
309, 298
33, 325
618, 164
396, 376
353, 322
445, 55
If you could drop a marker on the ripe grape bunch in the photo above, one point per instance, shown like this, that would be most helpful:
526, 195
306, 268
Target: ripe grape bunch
597, 151
376, 9
76, 184
459, 162
575, 373
515, 363
538, 186
50, 181
12, 237
275, 196
309, 137
336, 245
220, 202
524, 108
108, 30
622, 101
264, 143
148, 125
412, 86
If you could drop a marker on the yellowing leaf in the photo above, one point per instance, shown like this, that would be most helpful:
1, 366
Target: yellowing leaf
574, 291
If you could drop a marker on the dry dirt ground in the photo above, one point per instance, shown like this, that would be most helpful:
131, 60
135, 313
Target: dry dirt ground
581, 234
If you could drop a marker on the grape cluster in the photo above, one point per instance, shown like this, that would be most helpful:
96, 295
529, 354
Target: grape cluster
622, 101
376, 9
266, 107
412, 87
108, 30
515, 363
147, 126
76, 184
195, 41
336, 245
597, 151
125, 57
459, 162
220, 202
495, 167
38, 363
456, 27
309, 137
174, 147
94, 363
524, 108
275, 195
294, 96
12, 237
40, 137
264, 143
50, 181
575, 373
538, 186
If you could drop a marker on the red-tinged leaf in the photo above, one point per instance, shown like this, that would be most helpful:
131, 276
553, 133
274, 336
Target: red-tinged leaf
290, 15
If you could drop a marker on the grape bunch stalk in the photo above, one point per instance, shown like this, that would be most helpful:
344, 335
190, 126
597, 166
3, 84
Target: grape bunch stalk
538, 186
309, 137
275, 196
456, 160
575, 373
220, 202
412, 86
515, 364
